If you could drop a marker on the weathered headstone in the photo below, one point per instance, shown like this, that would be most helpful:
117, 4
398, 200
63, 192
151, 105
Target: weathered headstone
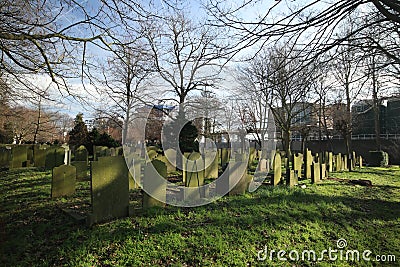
156, 188
315, 173
5, 157
151, 154
100, 151
241, 187
263, 165
345, 163
54, 157
39, 157
19, 156
308, 161
323, 174
81, 170
276, 178
293, 178
297, 163
211, 164
224, 156
81, 154
360, 162
109, 188
63, 181
171, 156
330, 162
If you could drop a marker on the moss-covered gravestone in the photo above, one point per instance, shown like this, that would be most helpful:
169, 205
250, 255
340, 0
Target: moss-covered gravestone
100, 151
155, 190
63, 181
315, 173
19, 157
81, 170
109, 189
194, 177
276, 178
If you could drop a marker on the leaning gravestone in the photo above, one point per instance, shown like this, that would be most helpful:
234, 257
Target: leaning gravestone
315, 173
109, 188
19, 157
155, 190
63, 181
276, 178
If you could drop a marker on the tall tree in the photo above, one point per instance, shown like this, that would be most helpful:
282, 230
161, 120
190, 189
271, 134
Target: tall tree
79, 134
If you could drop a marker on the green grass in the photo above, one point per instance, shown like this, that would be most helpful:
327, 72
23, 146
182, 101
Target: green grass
35, 232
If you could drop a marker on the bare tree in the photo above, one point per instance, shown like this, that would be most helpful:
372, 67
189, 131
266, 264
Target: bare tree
187, 55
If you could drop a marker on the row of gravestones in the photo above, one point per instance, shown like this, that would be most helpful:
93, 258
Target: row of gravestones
111, 182
312, 167
48, 157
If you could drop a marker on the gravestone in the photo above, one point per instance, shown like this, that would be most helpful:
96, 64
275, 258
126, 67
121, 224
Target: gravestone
241, 187
224, 156
184, 161
195, 172
169, 165
315, 173
63, 181
157, 188
54, 157
100, 151
19, 156
360, 162
39, 157
81, 170
113, 152
293, 178
345, 163
171, 156
338, 162
5, 157
263, 165
323, 174
330, 162
81, 154
276, 178
109, 189
296, 165
211, 163
308, 161
235, 175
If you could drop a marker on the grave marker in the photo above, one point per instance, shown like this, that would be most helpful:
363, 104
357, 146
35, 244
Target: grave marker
63, 181
109, 188
156, 187
276, 178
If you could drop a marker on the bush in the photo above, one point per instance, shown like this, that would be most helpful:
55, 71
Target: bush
378, 159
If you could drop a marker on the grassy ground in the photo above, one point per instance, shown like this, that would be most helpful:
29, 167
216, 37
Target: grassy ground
35, 232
